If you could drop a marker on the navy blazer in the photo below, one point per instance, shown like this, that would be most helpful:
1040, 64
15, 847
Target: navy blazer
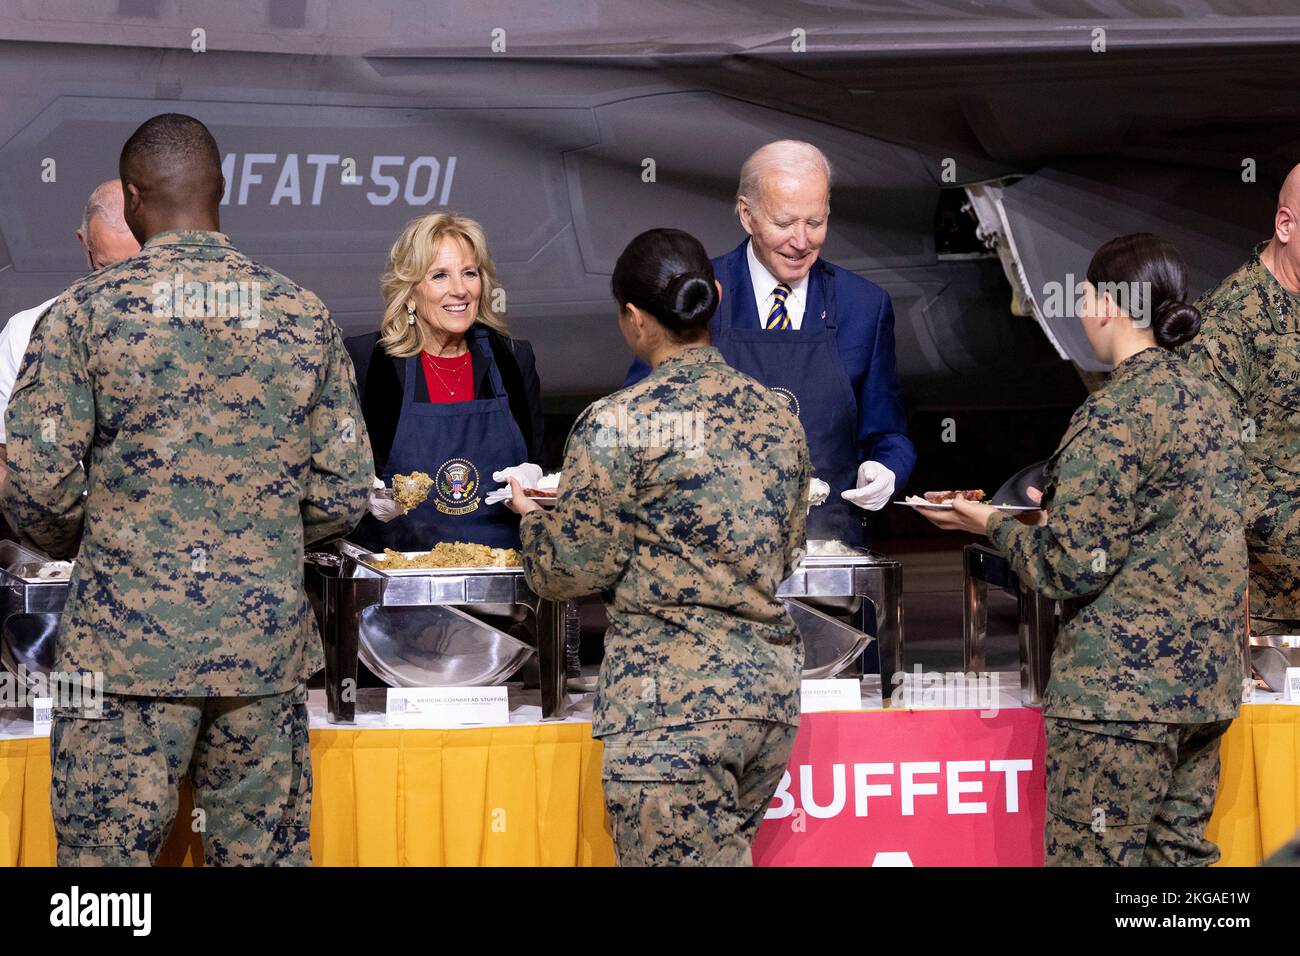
864, 334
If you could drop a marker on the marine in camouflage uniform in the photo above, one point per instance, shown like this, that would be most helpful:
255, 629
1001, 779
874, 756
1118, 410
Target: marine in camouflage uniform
1144, 544
1249, 344
215, 448
686, 533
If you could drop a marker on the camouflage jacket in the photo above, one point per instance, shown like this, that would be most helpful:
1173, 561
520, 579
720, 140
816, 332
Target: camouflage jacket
1144, 542
683, 503
1249, 345
216, 429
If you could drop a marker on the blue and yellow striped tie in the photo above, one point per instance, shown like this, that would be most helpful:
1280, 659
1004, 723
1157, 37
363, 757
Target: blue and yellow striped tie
779, 318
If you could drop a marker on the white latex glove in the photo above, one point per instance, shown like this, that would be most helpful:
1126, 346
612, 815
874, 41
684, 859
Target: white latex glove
527, 474
385, 509
875, 487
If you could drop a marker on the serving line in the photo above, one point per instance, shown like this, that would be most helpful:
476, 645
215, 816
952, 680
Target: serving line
348, 594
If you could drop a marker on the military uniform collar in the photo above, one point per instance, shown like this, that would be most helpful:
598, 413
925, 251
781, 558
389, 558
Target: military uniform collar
695, 355
1148, 356
1282, 307
189, 237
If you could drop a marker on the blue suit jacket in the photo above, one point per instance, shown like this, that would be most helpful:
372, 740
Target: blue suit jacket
864, 334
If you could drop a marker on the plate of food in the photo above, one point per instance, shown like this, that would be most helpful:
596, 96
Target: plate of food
544, 492
944, 499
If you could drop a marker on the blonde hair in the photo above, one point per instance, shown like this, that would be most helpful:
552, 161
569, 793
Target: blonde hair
408, 263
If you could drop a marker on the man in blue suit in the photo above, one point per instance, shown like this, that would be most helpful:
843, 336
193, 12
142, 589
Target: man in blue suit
820, 336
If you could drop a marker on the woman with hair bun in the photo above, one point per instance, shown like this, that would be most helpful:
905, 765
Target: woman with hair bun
682, 502
1141, 536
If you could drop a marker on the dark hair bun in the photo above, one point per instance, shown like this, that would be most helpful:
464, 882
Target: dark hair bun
1154, 271
1175, 323
689, 301
667, 273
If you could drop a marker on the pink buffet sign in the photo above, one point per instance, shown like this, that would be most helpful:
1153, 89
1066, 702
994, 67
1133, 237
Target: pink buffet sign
910, 788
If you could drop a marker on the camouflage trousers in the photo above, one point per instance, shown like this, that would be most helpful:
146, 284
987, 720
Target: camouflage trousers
694, 795
116, 776
1130, 793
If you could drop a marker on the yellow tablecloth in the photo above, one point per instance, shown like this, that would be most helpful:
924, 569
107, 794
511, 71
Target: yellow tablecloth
508, 796
530, 796
1258, 805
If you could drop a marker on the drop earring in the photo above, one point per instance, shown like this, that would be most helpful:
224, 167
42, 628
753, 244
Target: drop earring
410, 315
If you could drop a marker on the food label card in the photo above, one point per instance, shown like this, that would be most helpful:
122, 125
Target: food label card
42, 714
835, 694
1292, 685
447, 706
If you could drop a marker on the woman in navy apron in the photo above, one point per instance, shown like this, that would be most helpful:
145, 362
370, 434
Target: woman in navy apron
445, 391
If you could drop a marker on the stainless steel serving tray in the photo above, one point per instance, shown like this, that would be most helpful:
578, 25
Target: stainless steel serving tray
30, 607
827, 553
13, 556
425, 586
433, 572
29, 573
20, 589
368, 558
1270, 659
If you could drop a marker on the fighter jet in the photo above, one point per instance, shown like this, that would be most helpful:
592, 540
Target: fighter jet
981, 151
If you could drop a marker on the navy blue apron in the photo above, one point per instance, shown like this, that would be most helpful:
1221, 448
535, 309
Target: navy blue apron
459, 445
804, 367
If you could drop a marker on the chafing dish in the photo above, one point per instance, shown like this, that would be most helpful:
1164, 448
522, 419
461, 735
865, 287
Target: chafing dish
1037, 616
359, 608
436, 647
1270, 657
829, 645
31, 601
852, 579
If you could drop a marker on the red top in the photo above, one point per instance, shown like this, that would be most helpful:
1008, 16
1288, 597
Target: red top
448, 380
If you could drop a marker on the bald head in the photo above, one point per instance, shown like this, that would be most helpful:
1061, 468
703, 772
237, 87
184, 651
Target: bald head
104, 234
1289, 194
105, 203
783, 159
171, 176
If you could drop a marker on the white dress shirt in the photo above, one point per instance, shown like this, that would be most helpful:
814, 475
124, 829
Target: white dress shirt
765, 288
13, 346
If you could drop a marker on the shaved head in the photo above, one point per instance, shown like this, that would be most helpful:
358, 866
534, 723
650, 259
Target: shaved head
171, 176
1289, 194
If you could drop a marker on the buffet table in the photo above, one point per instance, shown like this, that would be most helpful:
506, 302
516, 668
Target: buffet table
528, 794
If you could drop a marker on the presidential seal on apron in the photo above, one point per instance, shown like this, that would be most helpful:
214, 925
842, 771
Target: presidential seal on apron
457, 483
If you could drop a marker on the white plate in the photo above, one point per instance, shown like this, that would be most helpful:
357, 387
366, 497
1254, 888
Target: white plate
947, 505
503, 494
